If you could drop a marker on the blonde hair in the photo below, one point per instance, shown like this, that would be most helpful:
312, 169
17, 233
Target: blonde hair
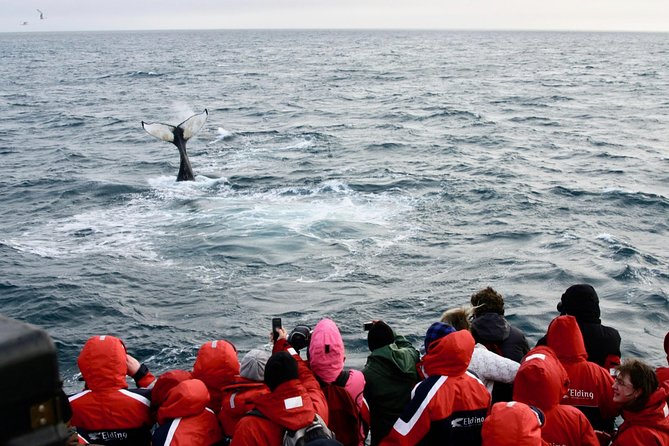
458, 317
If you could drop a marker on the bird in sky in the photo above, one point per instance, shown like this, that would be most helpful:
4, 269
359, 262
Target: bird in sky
41, 15
24, 23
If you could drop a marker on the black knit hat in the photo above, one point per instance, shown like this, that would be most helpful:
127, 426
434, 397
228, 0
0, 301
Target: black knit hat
280, 367
379, 336
580, 301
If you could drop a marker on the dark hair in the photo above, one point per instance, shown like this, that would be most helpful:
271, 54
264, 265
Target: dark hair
487, 300
643, 378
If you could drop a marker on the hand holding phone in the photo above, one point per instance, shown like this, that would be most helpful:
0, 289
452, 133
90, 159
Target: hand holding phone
276, 325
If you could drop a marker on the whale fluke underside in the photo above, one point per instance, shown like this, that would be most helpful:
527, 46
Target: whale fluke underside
178, 136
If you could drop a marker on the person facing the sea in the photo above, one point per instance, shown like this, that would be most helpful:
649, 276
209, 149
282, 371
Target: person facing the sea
448, 407
589, 384
542, 382
490, 328
601, 342
238, 397
390, 375
293, 401
216, 366
644, 402
107, 412
180, 403
343, 388
490, 367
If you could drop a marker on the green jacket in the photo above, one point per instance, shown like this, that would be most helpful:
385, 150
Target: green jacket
390, 375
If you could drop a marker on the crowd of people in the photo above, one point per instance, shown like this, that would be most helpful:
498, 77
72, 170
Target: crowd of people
473, 381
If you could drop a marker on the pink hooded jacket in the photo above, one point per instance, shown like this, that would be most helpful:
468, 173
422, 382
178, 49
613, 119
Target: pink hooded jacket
326, 360
327, 356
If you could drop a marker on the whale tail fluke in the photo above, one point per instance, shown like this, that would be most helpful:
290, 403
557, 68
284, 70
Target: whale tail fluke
167, 132
178, 136
193, 124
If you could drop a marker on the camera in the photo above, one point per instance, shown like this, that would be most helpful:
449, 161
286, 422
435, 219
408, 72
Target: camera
299, 337
33, 405
368, 325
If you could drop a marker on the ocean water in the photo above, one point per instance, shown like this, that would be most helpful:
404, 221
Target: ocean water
354, 175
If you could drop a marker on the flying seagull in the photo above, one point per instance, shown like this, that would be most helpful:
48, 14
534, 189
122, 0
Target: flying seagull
41, 15
24, 23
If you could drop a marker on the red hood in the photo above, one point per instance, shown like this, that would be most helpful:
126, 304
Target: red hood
655, 414
102, 362
512, 424
187, 398
288, 405
565, 338
166, 382
541, 380
450, 355
216, 364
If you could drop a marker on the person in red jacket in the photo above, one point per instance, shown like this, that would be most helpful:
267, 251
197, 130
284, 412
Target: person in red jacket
217, 366
183, 416
645, 409
294, 399
663, 372
107, 412
541, 381
449, 406
513, 424
601, 342
590, 385
237, 398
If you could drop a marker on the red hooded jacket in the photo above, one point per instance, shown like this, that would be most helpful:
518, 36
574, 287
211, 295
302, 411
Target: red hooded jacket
662, 374
216, 366
107, 412
238, 399
292, 405
449, 406
590, 385
184, 418
541, 381
512, 424
649, 426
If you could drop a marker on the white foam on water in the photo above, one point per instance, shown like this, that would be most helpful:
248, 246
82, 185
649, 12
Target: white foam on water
328, 213
607, 238
222, 134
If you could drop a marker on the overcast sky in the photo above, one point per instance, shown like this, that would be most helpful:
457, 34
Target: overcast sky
577, 15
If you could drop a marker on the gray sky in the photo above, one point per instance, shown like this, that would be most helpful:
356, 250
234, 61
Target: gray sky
577, 15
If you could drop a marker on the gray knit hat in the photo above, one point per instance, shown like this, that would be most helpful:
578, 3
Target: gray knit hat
253, 365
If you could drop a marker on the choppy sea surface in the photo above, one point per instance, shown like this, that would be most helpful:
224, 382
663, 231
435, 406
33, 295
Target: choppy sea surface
354, 175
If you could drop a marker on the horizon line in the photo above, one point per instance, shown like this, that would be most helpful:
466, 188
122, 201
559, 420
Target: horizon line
26, 31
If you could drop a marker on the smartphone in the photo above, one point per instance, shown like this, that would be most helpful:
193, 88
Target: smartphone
276, 324
368, 326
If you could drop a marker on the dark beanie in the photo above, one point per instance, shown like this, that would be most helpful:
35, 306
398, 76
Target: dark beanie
666, 344
582, 302
437, 331
280, 367
379, 336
